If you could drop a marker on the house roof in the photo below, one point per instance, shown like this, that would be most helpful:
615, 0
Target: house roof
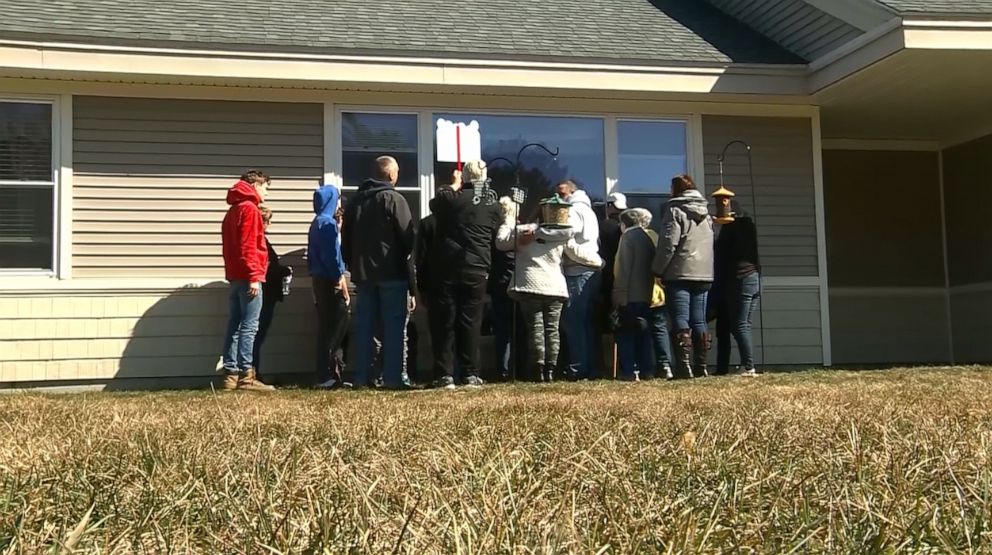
649, 31
941, 7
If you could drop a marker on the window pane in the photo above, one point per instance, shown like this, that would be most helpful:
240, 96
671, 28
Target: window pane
25, 141
651, 153
652, 203
581, 157
26, 227
365, 137
412, 198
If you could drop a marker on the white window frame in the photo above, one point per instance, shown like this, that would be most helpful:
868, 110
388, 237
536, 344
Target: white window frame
338, 168
59, 233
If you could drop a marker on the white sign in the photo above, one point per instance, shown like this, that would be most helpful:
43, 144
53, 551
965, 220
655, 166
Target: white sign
458, 141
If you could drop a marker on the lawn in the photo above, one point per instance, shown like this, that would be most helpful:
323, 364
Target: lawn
803, 462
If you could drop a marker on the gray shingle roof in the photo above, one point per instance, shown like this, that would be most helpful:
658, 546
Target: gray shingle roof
948, 7
681, 31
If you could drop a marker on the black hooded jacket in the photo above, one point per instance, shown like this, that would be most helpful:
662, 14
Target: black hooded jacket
377, 234
736, 250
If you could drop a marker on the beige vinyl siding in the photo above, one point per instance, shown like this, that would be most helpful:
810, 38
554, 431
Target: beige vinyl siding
786, 221
151, 177
783, 174
175, 336
796, 25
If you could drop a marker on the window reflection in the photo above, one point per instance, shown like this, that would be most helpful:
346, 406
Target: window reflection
581, 156
366, 136
650, 153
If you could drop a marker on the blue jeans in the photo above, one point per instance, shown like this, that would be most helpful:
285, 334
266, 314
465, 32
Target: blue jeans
580, 326
382, 303
687, 303
735, 308
660, 339
242, 325
634, 345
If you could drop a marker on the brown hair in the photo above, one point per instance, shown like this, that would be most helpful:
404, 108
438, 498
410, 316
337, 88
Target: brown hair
681, 184
266, 213
254, 176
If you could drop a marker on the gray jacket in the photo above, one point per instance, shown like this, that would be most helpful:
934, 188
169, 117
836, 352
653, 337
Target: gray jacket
634, 281
685, 246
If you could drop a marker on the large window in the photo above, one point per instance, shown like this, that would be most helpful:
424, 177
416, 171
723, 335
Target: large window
27, 186
650, 153
366, 136
579, 140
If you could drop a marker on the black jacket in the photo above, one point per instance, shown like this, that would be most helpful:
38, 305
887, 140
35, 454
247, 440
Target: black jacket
425, 254
272, 288
736, 251
378, 234
609, 243
465, 230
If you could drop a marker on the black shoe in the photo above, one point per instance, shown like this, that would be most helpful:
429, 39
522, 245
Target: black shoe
473, 381
444, 382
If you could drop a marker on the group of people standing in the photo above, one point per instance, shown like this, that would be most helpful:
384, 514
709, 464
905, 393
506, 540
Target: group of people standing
552, 270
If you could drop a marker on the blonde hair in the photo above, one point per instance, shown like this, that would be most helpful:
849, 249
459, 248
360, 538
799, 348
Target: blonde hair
475, 171
509, 210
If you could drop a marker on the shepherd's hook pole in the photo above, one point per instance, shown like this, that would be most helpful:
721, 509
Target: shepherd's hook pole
754, 212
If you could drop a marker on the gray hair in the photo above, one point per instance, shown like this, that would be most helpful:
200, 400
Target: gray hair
636, 217
475, 171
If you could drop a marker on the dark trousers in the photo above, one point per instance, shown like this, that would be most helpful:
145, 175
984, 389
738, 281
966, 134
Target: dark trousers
332, 325
456, 323
264, 323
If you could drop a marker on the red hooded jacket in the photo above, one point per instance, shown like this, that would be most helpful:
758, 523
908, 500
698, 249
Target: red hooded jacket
245, 254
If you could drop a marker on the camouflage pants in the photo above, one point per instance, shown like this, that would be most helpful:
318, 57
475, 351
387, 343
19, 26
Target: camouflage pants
541, 316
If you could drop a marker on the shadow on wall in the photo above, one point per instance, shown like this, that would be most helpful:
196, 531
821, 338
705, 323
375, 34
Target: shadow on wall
177, 342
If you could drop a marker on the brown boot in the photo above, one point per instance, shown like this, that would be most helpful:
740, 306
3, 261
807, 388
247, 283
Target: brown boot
229, 382
701, 344
683, 355
248, 382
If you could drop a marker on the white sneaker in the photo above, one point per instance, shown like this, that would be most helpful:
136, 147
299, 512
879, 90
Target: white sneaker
747, 372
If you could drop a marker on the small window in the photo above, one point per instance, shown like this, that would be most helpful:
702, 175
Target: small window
366, 136
27, 186
650, 154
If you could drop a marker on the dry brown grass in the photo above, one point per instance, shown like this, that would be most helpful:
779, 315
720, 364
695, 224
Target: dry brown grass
809, 462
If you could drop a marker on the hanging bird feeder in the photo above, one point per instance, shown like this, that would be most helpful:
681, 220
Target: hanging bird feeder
724, 213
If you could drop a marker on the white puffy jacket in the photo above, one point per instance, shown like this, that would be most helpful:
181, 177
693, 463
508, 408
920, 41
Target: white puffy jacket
583, 220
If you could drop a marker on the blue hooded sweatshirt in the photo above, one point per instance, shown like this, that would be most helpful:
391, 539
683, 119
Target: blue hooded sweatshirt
324, 244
